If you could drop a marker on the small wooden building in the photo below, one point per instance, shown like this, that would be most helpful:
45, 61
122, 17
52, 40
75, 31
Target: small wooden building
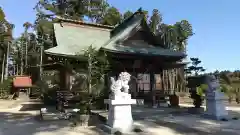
21, 84
131, 46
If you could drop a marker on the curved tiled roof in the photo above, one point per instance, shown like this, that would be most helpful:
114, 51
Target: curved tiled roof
71, 41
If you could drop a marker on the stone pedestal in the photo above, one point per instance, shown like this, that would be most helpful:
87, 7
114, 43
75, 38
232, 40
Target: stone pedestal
120, 113
215, 107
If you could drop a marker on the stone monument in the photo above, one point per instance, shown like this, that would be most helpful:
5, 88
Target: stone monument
120, 101
215, 107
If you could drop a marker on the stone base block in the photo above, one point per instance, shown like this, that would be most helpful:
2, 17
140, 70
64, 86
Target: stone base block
120, 114
140, 102
109, 130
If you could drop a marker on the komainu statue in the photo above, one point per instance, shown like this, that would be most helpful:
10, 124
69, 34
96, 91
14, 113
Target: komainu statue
213, 83
120, 86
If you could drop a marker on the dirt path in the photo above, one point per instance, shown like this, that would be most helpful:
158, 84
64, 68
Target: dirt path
10, 104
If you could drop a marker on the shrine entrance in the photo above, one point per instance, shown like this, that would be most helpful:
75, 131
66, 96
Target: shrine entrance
150, 91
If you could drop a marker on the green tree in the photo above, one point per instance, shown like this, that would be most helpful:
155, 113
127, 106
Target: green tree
112, 17
98, 10
195, 68
183, 31
27, 26
2, 15
94, 73
16, 54
6, 37
155, 21
127, 14
173, 37
74, 9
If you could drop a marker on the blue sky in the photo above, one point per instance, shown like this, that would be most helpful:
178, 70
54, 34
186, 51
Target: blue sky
215, 23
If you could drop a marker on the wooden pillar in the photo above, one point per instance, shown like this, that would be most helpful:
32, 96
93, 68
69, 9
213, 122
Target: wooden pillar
152, 87
62, 78
67, 80
107, 83
162, 78
136, 85
151, 81
133, 85
108, 79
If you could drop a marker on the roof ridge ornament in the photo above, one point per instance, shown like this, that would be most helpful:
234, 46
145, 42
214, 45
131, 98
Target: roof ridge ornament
140, 9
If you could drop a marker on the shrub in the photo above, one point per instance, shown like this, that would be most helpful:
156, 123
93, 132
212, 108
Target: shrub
197, 99
49, 96
197, 95
98, 102
238, 97
6, 88
35, 91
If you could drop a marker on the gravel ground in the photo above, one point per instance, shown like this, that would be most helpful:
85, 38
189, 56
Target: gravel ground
14, 122
23, 121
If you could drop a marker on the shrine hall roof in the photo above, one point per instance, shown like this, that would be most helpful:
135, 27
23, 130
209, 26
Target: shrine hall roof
72, 37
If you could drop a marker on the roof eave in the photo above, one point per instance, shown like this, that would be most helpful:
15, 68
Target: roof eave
64, 55
85, 23
144, 54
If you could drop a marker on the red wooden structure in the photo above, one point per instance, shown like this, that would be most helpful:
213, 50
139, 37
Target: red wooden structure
22, 82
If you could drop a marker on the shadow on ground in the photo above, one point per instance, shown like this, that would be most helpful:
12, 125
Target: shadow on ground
181, 122
34, 106
185, 130
28, 124
162, 119
27, 121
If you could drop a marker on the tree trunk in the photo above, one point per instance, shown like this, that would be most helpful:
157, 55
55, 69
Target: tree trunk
21, 66
14, 69
162, 81
7, 62
26, 55
89, 82
17, 69
40, 64
3, 62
